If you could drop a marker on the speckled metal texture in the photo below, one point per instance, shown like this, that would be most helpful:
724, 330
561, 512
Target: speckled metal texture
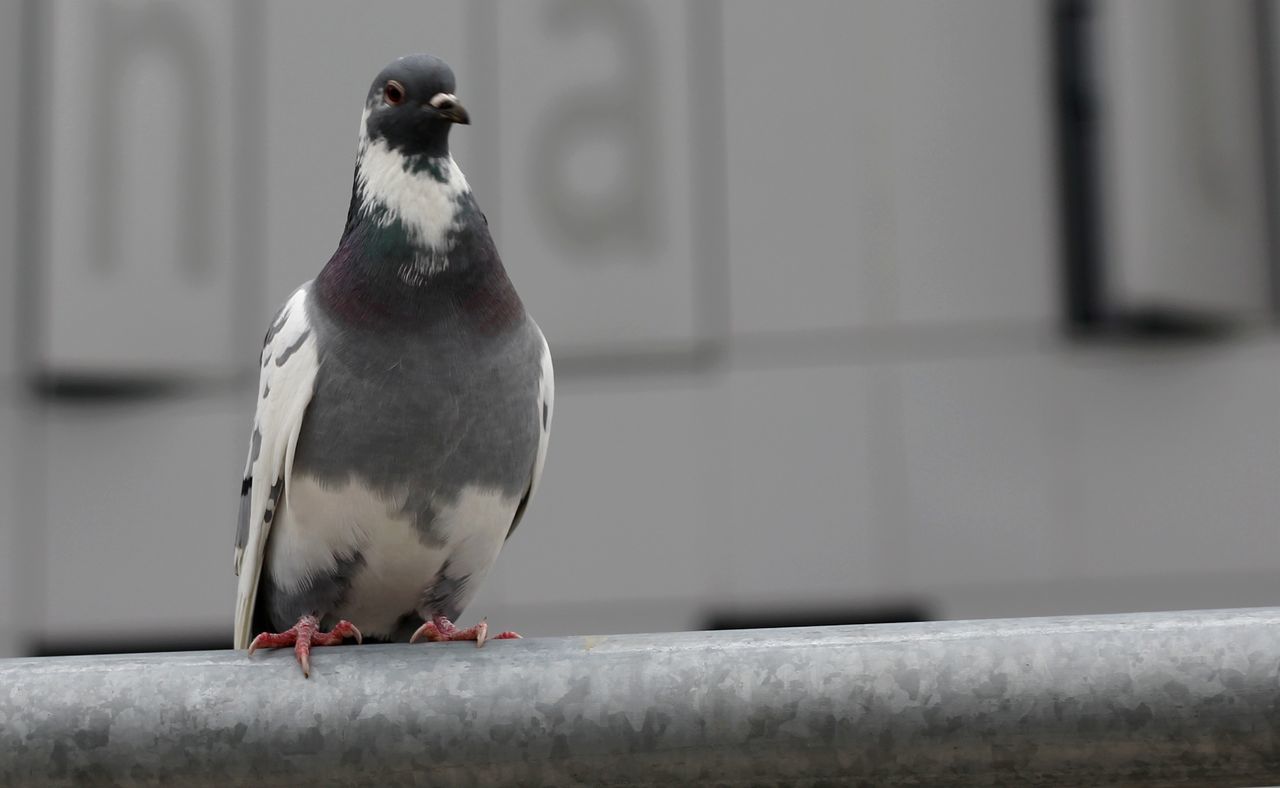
1140, 700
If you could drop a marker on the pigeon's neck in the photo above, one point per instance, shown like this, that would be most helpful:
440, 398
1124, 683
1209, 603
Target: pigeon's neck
416, 248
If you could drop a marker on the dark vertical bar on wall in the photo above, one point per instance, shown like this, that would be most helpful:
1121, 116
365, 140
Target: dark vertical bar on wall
708, 173
248, 184
1076, 116
1264, 11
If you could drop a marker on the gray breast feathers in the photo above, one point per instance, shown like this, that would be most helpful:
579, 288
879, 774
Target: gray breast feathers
423, 419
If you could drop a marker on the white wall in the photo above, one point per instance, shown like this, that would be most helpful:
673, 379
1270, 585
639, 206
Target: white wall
888, 413
11, 447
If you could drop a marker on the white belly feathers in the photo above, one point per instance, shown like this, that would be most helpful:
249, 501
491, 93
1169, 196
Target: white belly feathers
322, 525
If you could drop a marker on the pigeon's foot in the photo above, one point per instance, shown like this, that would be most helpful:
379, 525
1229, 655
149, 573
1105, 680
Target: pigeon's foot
440, 629
302, 636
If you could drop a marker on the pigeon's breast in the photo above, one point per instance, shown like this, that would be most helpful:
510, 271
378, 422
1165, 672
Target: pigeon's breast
430, 415
413, 456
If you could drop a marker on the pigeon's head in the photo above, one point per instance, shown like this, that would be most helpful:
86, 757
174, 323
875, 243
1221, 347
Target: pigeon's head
411, 106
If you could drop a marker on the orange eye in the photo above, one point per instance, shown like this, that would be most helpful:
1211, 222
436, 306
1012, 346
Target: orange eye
393, 92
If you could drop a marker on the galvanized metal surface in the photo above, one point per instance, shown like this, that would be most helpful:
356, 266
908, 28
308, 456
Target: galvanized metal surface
1153, 699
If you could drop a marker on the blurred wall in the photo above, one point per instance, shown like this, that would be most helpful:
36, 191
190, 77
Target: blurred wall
13, 602
797, 262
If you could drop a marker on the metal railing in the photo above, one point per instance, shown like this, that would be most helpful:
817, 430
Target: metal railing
1143, 700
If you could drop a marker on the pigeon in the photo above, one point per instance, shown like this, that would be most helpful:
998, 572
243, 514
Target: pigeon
404, 403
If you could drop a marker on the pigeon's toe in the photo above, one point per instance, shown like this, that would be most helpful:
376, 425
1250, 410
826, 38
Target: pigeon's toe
440, 629
302, 636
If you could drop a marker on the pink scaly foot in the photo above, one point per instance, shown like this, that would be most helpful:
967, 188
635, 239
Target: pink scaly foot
302, 636
440, 629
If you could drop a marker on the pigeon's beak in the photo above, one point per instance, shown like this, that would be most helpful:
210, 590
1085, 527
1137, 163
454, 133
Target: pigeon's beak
449, 108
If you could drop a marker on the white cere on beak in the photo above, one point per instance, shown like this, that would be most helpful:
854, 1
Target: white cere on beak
440, 100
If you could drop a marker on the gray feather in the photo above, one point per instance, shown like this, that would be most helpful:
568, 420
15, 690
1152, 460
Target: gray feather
432, 414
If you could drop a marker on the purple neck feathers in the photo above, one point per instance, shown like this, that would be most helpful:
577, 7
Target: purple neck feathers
364, 284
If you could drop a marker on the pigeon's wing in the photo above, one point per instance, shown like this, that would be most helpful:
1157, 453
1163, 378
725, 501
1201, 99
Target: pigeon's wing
289, 364
546, 409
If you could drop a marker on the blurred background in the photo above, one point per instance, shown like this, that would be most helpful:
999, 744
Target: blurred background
861, 311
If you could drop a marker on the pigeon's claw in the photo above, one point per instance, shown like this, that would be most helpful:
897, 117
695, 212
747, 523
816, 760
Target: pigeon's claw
302, 636
440, 629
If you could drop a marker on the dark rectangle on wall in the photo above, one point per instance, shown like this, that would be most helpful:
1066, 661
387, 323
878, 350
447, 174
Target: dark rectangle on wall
143, 644
775, 618
1125, 271
1075, 112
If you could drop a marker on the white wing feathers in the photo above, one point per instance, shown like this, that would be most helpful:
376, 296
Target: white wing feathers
546, 409
287, 381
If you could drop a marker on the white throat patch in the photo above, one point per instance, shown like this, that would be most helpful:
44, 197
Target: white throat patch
424, 204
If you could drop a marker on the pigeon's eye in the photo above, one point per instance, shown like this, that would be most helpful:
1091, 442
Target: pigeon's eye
393, 92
